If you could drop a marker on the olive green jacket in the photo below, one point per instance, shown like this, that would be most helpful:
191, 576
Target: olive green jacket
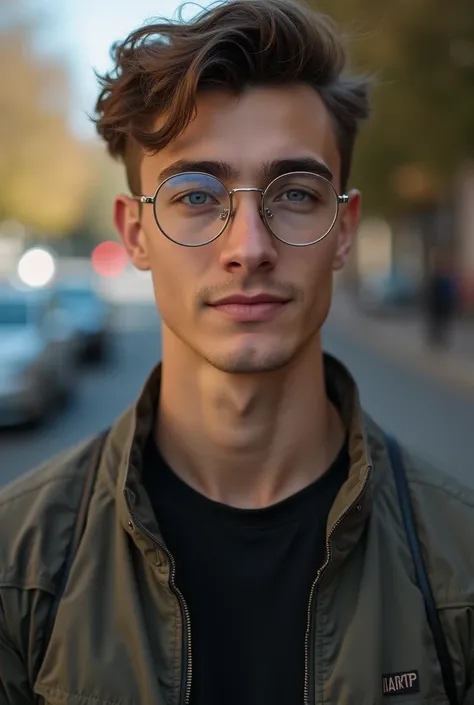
123, 634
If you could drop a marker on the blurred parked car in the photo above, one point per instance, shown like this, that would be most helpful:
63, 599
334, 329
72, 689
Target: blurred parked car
90, 316
390, 294
37, 355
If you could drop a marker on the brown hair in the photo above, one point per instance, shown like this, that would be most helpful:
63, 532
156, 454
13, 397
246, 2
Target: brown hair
160, 68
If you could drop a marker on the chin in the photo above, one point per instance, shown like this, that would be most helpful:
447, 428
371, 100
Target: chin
250, 360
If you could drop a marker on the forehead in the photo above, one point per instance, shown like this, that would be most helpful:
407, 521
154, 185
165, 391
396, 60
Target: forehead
259, 126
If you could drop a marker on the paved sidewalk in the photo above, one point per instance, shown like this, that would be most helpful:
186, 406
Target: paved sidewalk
402, 339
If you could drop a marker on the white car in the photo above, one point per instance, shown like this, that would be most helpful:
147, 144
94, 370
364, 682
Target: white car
89, 315
37, 355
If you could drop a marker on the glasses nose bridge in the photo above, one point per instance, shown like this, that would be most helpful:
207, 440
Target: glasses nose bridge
261, 191
243, 189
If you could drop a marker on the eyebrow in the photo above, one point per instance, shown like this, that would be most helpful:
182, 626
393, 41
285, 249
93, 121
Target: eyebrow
220, 170
285, 166
269, 170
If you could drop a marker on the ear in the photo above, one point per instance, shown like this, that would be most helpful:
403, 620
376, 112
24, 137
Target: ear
348, 223
128, 225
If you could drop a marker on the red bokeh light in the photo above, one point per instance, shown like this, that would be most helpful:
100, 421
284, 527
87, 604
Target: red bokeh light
109, 259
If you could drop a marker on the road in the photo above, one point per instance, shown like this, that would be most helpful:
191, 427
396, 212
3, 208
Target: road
430, 418
101, 394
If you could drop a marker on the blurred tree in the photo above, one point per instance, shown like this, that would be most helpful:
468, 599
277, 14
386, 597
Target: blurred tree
96, 223
421, 133
43, 168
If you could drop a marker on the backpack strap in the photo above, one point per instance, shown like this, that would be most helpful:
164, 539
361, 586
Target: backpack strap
79, 526
406, 507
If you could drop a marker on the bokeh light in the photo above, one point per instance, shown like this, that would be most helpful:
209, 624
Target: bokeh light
109, 259
36, 267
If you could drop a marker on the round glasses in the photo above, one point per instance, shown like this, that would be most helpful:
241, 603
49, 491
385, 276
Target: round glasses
192, 209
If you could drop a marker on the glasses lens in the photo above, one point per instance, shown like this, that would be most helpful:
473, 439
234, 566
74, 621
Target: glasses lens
191, 209
300, 208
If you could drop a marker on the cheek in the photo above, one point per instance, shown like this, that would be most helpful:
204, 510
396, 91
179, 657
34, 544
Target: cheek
316, 282
316, 266
176, 274
165, 270
169, 283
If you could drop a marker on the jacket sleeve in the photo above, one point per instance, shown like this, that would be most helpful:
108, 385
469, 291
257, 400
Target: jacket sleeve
14, 686
469, 694
22, 616
469, 697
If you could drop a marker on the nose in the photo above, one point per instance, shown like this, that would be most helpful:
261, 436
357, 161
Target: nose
246, 243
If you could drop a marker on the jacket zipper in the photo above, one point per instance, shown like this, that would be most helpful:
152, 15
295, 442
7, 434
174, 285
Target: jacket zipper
188, 664
307, 699
188, 669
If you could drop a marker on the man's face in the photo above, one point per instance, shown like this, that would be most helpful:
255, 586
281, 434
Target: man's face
246, 133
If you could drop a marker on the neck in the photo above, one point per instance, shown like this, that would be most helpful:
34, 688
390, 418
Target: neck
247, 441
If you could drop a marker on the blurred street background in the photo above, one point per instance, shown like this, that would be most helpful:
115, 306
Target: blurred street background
79, 331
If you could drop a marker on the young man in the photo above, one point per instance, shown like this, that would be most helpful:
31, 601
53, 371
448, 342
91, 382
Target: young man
241, 541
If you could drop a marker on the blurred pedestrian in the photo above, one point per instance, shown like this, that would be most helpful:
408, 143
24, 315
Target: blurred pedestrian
442, 301
243, 534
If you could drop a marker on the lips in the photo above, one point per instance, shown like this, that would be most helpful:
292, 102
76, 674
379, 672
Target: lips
241, 299
250, 309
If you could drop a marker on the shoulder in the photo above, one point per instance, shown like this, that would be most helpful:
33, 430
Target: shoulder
443, 508
448, 488
443, 505
37, 516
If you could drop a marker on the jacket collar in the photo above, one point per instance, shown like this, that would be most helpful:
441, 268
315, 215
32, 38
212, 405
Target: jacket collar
125, 447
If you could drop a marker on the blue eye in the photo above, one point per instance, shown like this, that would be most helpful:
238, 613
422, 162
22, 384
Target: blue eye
295, 195
197, 198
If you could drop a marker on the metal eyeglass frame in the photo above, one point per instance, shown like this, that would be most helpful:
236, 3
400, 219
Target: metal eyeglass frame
226, 214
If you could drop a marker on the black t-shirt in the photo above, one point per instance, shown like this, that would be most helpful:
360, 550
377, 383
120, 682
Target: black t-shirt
246, 576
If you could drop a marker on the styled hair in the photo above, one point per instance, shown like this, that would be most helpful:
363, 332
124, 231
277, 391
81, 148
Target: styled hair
160, 68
